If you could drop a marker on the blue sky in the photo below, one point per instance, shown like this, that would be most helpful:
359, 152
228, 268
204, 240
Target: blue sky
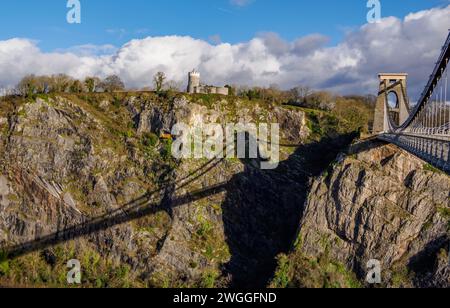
116, 22
323, 44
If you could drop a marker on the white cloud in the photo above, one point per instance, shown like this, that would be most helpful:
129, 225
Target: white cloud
241, 3
410, 45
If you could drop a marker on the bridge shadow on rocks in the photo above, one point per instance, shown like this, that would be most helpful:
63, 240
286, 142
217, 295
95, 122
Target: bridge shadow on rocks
261, 212
139, 208
263, 209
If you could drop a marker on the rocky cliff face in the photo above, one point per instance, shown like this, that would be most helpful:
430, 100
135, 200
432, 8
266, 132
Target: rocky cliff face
87, 178
378, 202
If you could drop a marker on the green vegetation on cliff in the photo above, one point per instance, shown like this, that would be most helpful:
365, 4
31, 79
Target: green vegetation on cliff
49, 269
102, 152
297, 270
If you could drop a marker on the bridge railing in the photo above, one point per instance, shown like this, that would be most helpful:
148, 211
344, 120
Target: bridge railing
435, 151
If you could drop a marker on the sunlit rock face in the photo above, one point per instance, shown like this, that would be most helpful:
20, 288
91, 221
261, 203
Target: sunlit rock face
89, 178
380, 202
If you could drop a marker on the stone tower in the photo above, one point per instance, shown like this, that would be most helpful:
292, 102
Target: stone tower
194, 82
391, 83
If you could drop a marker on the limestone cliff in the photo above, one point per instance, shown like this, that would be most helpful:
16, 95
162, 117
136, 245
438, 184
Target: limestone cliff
86, 177
377, 202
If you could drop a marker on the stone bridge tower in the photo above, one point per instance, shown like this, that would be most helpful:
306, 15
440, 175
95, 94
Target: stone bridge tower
391, 83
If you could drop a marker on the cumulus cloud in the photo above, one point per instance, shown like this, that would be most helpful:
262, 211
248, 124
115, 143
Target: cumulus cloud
409, 45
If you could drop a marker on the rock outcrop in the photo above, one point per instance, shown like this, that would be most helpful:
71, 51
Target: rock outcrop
379, 203
82, 178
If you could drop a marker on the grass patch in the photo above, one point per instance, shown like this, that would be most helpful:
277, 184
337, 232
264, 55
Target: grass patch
150, 140
298, 271
401, 278
444, 212
209, 279
4, 263
49, 269
431, 168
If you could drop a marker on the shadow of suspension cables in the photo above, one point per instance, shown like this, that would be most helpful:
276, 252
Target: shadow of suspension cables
141, 208
136, 209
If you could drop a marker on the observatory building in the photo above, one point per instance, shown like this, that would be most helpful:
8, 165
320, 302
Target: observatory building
195, 87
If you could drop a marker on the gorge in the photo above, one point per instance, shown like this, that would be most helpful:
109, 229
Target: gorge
86, 177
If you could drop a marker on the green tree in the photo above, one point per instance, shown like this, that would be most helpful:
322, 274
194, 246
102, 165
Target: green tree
76, 87
91, 84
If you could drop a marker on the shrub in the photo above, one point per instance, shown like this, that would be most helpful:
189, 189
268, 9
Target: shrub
281, 278
150, 140
166, 152
209, 279
4, 263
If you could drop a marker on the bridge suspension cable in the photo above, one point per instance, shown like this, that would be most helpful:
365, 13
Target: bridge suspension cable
426, 131
433, 117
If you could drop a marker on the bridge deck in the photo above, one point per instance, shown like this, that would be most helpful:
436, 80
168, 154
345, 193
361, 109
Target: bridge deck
434, 151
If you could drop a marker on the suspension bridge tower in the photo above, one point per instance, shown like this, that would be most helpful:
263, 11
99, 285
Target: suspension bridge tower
391, 85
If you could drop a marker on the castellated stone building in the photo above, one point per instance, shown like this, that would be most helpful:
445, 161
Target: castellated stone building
195, 87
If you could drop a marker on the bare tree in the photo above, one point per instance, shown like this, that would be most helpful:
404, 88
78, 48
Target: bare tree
159, 80
27, 86
113, 83
173, 85
43, 84
322, 100
300, 94
61, 83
